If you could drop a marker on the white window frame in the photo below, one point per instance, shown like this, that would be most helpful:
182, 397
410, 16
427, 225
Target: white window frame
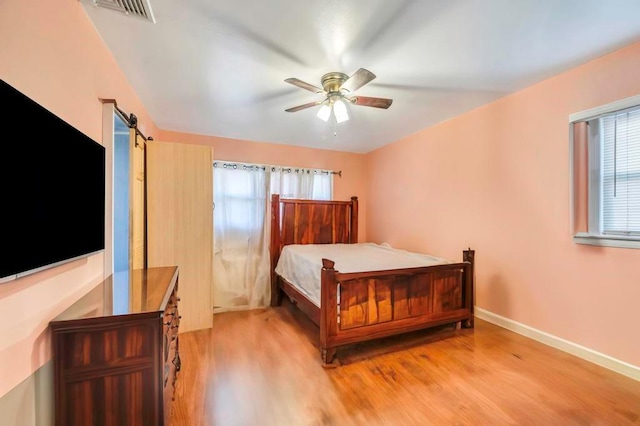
592, 238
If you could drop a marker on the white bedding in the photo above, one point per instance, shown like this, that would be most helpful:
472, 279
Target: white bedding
300, 264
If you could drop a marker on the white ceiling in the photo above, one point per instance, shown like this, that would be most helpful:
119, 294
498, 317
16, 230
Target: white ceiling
218, 67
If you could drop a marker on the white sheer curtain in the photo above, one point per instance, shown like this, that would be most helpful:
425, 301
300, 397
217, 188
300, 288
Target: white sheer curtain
241, 244
292, 182
242, 194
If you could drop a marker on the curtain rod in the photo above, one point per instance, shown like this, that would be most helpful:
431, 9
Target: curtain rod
264, 167
130, 119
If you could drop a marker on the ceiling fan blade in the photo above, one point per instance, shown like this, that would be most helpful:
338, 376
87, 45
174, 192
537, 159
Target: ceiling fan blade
371, 102
304, 85
305, 106
357, 80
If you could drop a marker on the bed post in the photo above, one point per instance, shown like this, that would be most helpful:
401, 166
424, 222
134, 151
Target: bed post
329, 312
469, 256
274, 248
353, 234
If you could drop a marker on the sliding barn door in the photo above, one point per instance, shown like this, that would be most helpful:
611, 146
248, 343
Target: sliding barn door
180, 223
137, 196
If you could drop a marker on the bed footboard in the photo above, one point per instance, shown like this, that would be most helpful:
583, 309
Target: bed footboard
368, 305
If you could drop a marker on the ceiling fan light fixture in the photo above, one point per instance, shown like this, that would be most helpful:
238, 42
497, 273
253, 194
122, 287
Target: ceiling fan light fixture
340, 111
337, 88
324, 112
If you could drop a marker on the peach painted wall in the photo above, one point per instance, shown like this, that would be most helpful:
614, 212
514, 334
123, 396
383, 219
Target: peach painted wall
353, 166
497, 179
51, 52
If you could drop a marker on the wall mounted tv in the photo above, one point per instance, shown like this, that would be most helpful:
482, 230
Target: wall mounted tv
52, 187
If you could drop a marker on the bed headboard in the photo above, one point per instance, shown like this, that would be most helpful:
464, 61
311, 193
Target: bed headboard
295, 221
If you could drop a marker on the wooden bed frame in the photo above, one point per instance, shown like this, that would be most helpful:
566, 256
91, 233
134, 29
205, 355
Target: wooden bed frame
372, 304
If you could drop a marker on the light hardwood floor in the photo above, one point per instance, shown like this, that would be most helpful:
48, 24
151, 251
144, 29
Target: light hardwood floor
263, 368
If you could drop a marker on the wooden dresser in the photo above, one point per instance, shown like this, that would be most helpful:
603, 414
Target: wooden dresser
116, 354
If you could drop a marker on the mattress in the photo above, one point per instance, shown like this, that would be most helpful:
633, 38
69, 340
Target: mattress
301, 264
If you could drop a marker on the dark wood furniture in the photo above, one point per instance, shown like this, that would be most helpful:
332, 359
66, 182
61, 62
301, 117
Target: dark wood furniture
372, 304
116, 353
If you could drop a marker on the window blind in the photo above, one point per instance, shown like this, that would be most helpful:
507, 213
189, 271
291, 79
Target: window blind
620, 156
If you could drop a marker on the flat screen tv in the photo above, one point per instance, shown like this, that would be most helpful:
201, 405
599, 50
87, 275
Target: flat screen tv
52, 187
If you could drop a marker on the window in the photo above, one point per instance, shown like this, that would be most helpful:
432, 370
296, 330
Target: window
621, 173
606, 175
240, 194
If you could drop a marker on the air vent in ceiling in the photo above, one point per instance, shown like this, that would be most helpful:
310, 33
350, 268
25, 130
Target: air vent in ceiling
136, 8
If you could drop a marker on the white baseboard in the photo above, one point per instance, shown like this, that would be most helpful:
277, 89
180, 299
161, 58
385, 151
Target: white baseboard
598, 358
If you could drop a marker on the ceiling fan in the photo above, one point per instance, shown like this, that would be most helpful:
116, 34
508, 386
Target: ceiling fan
338, 87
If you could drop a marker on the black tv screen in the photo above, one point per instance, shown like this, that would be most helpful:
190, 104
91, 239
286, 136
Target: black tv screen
52, 187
